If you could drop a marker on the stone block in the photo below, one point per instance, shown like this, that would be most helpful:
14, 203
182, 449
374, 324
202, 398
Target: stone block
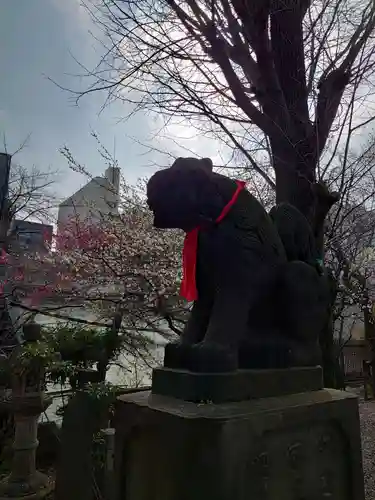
239, 385
303, 446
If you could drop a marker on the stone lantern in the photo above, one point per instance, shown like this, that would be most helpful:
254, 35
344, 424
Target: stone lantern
26, 402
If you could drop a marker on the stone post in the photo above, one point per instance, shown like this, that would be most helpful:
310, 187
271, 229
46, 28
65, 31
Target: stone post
81, 421
27, 402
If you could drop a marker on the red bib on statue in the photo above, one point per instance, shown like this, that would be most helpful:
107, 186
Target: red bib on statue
189, 255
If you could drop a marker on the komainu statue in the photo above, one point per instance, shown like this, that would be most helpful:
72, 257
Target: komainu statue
260, 297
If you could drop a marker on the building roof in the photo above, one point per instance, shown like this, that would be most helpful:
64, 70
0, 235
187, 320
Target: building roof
110, 179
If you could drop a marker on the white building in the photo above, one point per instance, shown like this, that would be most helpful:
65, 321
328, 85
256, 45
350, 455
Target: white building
98, 197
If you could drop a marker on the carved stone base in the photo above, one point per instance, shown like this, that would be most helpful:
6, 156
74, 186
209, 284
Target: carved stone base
297, 446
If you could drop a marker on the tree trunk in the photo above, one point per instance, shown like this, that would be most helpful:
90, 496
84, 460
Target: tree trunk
294, 178
111, 345
296, 184
370, 338
329, 362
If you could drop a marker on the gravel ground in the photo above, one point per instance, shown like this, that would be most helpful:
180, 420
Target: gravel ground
367, 416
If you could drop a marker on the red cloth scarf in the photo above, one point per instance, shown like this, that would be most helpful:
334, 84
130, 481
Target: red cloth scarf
189, 255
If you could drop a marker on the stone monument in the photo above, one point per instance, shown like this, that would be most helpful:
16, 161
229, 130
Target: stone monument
239, 410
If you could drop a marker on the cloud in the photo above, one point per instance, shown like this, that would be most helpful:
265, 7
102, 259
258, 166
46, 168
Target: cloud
179, 138
75, 9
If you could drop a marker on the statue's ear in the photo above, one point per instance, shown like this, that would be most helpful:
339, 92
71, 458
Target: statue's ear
193, 163
207, 164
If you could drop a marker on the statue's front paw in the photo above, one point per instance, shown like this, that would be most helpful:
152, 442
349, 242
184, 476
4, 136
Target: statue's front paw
176, 355
209, 357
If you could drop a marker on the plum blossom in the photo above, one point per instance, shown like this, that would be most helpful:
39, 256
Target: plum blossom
117, 262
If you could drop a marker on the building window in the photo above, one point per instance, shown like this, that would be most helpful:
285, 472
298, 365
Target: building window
24, 238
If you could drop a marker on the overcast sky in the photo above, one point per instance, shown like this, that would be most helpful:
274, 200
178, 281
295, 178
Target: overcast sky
37, 40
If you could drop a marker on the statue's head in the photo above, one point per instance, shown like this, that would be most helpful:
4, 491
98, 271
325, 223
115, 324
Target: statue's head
184, 195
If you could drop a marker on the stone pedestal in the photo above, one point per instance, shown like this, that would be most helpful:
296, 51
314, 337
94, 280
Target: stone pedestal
301, 445
25, 482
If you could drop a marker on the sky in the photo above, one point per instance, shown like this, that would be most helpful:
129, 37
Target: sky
41, 40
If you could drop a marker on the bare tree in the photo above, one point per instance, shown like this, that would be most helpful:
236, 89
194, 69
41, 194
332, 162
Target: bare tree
288, 84
30, 194
289, 69
29, 197
349, 243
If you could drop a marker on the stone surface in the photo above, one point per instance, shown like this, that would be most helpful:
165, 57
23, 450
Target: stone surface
294, 447
74, 474
49, 444
235, 386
